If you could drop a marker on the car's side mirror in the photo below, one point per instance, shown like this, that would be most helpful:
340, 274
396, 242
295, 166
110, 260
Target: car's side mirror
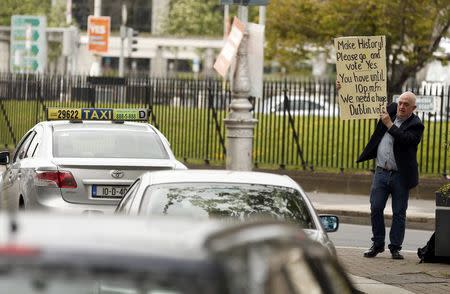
330, 223
4, 157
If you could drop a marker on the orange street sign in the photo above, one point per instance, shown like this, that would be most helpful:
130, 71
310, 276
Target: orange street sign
99, 28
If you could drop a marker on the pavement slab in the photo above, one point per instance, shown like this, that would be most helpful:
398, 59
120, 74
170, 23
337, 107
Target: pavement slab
394, 276
370, 286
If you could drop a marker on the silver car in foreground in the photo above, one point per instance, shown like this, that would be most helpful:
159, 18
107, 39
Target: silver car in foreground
107, 254
223, 193
81, 166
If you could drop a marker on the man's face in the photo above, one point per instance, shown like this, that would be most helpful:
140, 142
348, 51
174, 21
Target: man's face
406, 106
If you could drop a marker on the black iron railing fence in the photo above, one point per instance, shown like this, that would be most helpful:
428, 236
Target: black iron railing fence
298, 121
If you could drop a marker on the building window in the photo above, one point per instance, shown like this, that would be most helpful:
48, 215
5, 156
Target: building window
139, 13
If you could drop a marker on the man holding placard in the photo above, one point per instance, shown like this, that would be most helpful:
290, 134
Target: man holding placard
393, 143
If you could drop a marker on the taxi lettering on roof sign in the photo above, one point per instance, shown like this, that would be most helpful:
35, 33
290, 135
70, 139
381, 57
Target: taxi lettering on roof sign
130, 114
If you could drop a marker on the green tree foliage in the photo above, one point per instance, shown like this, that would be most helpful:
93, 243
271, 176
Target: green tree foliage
55, 17
413, 29
201, 17
195, 18
13, 7
55, 14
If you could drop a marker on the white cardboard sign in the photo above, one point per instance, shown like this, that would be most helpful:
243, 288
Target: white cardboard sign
229, 51
361, 71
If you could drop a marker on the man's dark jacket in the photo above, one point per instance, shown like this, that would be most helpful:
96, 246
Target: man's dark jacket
406, 140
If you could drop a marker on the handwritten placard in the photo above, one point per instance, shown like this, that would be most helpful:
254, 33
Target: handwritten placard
361, 70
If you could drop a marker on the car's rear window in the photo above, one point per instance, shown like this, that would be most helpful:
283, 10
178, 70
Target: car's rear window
108, 143
240, 201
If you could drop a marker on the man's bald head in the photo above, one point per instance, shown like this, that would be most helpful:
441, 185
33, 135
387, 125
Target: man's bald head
406, 105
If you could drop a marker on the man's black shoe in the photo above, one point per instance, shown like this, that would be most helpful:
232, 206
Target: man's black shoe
373, 251
396, 254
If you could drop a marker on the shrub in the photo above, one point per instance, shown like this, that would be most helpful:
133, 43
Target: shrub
444, 190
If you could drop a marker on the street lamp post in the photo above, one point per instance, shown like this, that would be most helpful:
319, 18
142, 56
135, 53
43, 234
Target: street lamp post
240, 123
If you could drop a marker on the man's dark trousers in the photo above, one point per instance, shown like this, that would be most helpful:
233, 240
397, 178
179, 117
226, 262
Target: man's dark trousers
384, 183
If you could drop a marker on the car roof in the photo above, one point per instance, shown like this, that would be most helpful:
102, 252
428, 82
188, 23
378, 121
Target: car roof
219, 176
107, 233
180, 238
162, 247
62, 125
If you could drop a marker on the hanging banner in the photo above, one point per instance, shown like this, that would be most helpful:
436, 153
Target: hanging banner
229, 51
361, 71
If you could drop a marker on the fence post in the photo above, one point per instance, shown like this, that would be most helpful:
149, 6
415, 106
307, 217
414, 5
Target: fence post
149, 98
38, 99
216, 120
283, 132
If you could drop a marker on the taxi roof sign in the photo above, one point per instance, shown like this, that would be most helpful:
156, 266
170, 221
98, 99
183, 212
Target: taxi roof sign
109, 114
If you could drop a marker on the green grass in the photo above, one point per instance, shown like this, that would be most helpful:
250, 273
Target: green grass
325, 143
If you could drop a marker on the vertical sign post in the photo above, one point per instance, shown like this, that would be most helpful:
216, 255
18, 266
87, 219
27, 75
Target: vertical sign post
28, 44
123, 35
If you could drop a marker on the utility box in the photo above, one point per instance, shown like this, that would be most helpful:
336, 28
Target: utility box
442, 247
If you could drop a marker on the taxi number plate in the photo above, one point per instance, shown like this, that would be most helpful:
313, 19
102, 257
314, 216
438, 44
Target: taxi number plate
108, 191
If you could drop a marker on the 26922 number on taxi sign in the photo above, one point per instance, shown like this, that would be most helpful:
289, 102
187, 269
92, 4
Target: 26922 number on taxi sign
122, 114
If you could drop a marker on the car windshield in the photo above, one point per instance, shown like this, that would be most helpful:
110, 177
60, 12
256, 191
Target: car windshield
108, 144
241, 201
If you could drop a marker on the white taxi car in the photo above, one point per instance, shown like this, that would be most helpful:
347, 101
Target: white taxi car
82, 160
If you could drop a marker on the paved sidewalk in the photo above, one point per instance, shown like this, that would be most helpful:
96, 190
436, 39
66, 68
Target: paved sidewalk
355, 209
382, 274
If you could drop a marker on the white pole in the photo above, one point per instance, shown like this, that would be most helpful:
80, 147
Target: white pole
69, 12
70, 32
97, 7
96, 69
243, 13
226, 21
123, 34
262, 15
